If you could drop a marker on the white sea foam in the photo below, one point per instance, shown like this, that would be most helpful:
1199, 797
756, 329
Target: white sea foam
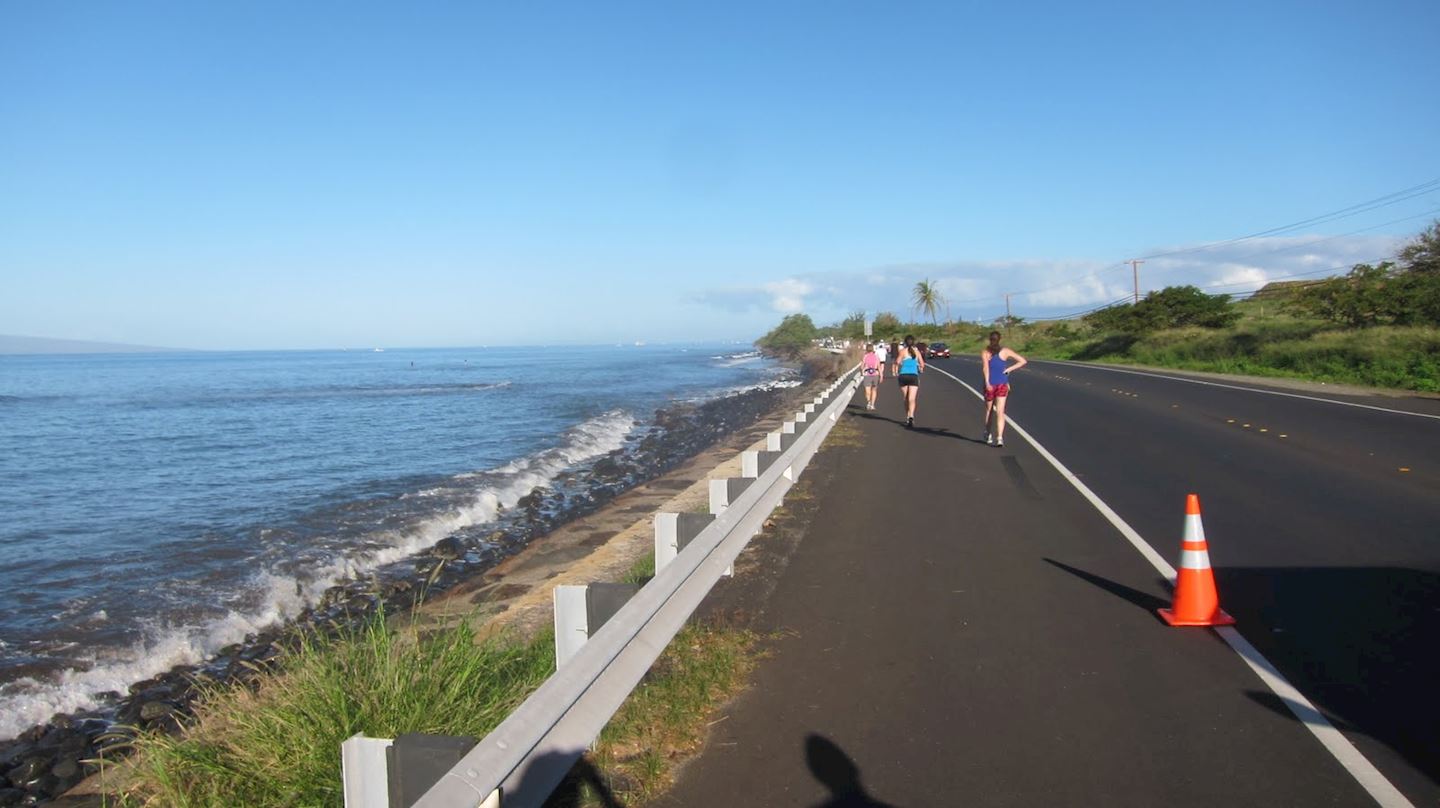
28, 701
772, 384
733, 360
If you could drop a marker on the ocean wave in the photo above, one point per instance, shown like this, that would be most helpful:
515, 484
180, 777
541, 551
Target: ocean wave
783, 383
737, 359
278, 596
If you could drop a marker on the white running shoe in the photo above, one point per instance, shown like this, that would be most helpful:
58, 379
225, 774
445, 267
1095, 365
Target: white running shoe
999, 441
989, 439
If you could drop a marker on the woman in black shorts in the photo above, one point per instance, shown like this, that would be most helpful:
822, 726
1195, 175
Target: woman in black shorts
908, 366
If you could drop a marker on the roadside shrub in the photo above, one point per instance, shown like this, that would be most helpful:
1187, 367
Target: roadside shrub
790, 338
1171, 307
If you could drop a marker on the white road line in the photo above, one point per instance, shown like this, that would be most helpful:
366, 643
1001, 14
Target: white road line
1344, 752
1243, 389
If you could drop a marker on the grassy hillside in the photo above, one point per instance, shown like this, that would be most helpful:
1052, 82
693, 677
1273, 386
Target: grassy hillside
1265, 342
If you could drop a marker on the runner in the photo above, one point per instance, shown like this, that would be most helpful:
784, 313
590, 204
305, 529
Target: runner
997, 385
909, 364
873, 372
880, 351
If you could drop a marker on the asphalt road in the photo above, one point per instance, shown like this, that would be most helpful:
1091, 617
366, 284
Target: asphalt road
1326, 541
960, 627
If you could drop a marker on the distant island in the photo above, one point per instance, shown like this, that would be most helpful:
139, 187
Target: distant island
43, 345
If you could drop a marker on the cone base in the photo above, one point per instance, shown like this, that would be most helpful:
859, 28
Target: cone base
1219, 618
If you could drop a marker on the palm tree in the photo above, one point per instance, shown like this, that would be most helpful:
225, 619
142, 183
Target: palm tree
927, 298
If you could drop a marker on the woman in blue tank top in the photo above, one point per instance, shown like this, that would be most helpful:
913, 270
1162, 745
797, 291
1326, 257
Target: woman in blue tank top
997, 385
909, 364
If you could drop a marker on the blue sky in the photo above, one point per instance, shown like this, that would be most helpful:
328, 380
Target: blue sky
297, 175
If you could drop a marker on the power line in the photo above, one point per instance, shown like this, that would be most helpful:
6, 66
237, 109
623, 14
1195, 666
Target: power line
1303, 245
1392, 198
1344, 213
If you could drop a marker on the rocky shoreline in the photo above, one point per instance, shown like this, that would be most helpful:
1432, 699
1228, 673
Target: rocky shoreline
50, 759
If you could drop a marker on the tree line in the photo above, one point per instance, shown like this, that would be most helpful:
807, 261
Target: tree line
1405, 291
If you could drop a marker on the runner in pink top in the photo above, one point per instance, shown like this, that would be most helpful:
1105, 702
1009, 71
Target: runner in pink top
872, 372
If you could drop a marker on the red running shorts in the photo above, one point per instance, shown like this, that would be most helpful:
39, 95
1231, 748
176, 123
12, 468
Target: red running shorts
995, 391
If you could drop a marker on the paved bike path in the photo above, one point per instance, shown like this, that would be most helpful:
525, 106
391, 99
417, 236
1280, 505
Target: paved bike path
959, 627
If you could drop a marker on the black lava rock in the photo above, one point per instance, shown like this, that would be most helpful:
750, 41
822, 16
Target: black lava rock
151, 710
29, 770
448, 548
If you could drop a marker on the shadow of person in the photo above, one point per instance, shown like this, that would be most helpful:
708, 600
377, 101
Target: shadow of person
837, 772
576, 776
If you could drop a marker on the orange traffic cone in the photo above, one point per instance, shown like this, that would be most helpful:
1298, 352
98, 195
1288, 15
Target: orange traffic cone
1196, 602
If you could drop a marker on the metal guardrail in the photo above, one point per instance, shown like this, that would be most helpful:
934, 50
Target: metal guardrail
532, 750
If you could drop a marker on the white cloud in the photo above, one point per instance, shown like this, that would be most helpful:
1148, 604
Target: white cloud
788, 296
975, 290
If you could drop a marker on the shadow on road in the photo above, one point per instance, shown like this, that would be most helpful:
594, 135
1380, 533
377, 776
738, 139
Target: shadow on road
1144, 600
838, 773
937, 432
1362, 643
1281, 707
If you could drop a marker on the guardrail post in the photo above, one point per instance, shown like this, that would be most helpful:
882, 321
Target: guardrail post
580, 611
364, 772
571, 627
603, 600
381, 772
417, 762
772, 442
673, 531
721, 495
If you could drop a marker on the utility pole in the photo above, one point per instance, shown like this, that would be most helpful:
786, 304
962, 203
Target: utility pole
1008, 318
1135, 267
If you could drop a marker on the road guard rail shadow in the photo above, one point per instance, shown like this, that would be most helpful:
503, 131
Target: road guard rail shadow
530, 753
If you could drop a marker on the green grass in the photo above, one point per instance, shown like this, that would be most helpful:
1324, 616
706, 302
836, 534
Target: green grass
642, 570
280, 746
666, 717
1263, 343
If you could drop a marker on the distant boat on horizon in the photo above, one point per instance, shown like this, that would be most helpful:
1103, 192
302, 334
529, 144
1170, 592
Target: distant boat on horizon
379, 350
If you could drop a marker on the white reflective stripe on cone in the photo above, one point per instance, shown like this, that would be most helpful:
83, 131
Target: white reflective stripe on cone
1194, 559
1194, 529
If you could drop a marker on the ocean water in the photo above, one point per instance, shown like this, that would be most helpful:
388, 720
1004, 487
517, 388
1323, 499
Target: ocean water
155, 508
